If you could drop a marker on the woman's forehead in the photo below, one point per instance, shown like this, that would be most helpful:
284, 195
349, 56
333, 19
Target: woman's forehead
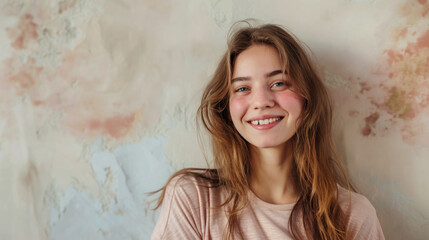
257, 59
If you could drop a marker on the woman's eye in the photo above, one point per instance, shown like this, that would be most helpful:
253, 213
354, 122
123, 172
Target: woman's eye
278, 84
281, 84
241, 89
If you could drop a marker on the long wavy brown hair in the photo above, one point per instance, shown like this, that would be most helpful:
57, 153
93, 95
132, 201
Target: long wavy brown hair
316, 168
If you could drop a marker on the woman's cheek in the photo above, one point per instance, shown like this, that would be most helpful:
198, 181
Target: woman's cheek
291, 102
237, 108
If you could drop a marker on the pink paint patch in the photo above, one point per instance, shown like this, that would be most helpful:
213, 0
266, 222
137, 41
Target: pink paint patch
364, 87
119, 126
37, 103
116, 127
415, 48
399, 91
65, 5
408, 135
423, 41
24, 76
370, 124
353, 113
403, 33
25, 32
393, 57
366, 131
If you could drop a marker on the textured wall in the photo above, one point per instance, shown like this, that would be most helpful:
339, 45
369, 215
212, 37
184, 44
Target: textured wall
98, 101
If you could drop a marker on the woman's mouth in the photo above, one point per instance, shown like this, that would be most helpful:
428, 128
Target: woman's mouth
265, 121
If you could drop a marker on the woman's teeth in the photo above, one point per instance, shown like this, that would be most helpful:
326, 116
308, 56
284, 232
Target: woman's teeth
265, 121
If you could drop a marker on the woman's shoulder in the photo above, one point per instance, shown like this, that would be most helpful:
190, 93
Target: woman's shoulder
351, 201
360, 215
192, 184
186, 207
192, 179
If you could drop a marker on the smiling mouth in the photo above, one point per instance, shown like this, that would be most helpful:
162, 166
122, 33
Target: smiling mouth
266, 121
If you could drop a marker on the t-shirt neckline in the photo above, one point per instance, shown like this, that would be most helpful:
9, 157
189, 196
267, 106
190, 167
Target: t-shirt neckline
256, 200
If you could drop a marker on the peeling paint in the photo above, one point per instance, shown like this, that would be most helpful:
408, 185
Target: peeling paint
120, 210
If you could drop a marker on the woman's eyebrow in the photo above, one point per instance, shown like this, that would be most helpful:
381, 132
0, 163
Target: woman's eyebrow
273, 73
240, 79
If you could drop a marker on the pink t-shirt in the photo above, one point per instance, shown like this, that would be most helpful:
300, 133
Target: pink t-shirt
187, 213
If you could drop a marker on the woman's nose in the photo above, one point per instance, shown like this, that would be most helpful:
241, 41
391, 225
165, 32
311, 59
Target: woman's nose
262, 98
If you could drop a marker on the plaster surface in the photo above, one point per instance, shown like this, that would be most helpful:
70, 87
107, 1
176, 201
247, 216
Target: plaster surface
98, 102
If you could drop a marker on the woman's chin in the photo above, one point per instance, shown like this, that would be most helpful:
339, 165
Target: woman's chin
268, 144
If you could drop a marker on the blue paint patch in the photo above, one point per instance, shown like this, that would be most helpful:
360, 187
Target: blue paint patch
121, 210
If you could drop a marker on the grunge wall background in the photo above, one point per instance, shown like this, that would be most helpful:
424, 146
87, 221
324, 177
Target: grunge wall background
98, 102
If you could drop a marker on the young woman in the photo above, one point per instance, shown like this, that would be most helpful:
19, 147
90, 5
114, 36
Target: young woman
276, 174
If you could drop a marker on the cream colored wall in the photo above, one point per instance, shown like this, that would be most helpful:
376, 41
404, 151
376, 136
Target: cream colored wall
98, 101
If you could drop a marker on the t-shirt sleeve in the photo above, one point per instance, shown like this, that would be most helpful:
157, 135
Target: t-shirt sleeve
179, 217
363, 223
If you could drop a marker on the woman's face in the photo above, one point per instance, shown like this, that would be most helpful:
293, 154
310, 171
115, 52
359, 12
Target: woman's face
263, 105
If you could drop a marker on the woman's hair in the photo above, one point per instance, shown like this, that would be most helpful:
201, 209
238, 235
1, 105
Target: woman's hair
316, 169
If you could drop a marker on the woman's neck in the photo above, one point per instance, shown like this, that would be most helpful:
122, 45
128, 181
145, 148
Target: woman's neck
271, 174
